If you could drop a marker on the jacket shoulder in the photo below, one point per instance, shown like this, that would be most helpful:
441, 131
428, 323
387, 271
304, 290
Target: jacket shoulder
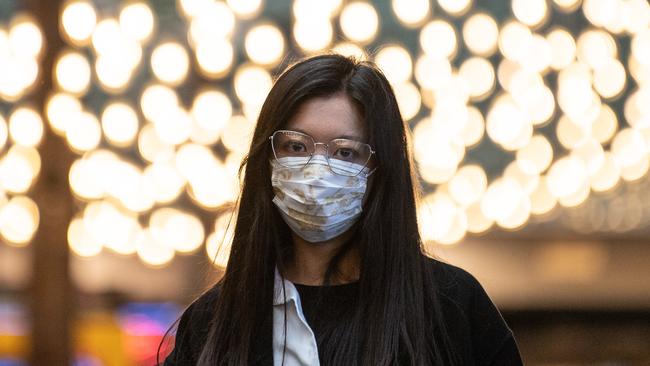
193, 328
471, 316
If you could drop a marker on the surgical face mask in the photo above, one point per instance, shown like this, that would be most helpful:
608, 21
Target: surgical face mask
316, 203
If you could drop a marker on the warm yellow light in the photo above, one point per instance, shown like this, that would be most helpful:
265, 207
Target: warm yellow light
438, 154
264, 44
83, 132
137, 21
120, 124
219, 243
605, 125
527, 181
192, 8
474, 129
566, 177
536, 156
609, 79
214, 57
73, 73
438, 40
628, 147
245, 9
19, 219
4, 132
170, 63
19, 168
174, 128
411, 13
641, 47
126, 183
238, 133
481, 34
541, 199
570, 134
213, 21
114, 71
212, 110
563, 48
252, 84
595, 48
468, 185
395, 61
210, 184
507, 124
440, 220
85, 176
476, 220
157, 101
81, 241
150, 252
576, 198
519, 215
314, 34
449, 117
530, 12
78, 20
151, 147
167, 181
408, 99
360, 22
591, 153
25, 37
107, 37
173, 228
479, 75
637, 170
502, 199
432, 73
567, 5
455, 7
538, 55
601, 13
19, 72
59, 108
350, 49
575, 95
26, 127
192, 161
636, 108
513, 40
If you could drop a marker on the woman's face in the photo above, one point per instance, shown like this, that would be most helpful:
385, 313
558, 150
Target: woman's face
331, 117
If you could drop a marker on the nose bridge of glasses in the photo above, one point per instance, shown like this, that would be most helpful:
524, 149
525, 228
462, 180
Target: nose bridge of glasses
324, 148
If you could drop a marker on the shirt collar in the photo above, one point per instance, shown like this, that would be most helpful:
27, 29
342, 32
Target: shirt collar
290, 291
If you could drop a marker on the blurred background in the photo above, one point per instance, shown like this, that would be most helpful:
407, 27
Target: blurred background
123, 123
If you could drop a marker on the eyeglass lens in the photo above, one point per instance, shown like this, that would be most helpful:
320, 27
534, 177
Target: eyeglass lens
341, 153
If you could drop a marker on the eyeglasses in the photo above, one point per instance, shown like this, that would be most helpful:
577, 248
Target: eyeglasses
344, 156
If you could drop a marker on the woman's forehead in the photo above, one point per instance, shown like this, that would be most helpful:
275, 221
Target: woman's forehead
326, 118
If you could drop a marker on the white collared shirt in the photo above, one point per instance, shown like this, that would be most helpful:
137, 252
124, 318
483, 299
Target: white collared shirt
301, 348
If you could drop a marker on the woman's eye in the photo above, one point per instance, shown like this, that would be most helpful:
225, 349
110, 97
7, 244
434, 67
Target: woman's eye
296, 147
344, 153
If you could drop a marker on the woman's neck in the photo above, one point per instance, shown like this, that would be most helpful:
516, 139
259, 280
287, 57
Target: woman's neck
310, 262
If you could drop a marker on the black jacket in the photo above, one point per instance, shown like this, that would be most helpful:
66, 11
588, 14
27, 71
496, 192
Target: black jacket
478, 332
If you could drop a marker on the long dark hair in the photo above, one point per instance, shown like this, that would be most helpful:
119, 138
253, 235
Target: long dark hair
397, 312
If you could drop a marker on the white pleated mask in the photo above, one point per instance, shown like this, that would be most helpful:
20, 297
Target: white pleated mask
315, 202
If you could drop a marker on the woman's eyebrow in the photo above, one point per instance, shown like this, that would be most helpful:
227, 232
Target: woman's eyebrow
349, 137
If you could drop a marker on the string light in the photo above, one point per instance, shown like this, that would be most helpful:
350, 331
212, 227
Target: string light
472, 79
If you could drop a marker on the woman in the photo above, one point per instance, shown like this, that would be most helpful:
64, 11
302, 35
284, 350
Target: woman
327, 266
